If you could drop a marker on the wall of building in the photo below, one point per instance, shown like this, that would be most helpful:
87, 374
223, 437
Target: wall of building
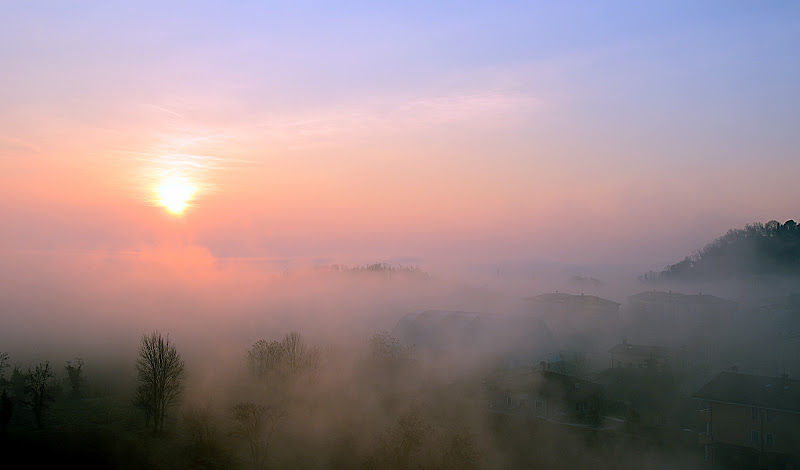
734, 424
785, 428
621, 360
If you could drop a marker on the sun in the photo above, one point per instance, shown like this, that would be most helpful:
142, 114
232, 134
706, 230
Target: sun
175, 193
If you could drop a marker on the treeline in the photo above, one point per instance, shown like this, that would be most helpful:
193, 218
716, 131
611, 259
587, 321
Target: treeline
758, 249
380, 268
36, 388
287, 404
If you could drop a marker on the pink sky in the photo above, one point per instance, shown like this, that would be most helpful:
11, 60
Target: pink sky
627, 148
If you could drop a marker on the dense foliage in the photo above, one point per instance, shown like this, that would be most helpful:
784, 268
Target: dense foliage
758, 249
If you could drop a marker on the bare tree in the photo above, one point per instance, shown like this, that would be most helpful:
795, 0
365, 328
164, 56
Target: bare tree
299, 356
285, 358
460, 450
256, 424
575, 364
6, 405
405, 438
75, 376
201, 426
18, 383
3, 366
40, 390
160, 373
385, 348
264, 357
389, 359
6, 409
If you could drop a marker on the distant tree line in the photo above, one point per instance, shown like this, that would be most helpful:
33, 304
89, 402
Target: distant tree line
381, 268
758, 249
289, 379
282, 359
35, 388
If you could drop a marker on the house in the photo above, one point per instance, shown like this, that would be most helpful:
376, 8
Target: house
673, 317
575, 319
649, 399
475, 336
751, 421
657, 307
585, 307
547, 395
636, 355
783, 317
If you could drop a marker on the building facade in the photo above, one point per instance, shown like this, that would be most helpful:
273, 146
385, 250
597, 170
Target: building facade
751, 421
636, 355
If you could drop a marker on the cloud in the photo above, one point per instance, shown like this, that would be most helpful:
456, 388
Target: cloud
10, 144
397, 116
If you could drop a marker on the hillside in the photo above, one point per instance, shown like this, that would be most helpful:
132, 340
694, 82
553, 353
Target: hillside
758, 249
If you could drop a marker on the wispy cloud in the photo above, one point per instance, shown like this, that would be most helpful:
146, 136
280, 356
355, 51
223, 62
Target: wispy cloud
396, 116
16, 145
174, 158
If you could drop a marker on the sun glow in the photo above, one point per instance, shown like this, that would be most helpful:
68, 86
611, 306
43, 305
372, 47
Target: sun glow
175, 193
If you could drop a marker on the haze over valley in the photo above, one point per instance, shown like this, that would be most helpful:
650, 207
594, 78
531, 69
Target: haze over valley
486, 235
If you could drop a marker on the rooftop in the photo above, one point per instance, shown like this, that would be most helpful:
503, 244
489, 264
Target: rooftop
558, 297
549, 383
641, 349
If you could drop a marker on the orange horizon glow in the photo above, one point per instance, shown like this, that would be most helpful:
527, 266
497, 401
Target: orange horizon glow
592, 143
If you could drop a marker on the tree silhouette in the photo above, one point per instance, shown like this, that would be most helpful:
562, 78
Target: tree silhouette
299, 356
281, 359
160, 375
6, 405
6, 408
18, 382
199, 422
75, 376
385, 349
460, 450
40, 390
403, 439
572, 363
264, 357
3, 367
256, 424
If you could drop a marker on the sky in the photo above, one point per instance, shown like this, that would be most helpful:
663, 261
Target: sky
575, 132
